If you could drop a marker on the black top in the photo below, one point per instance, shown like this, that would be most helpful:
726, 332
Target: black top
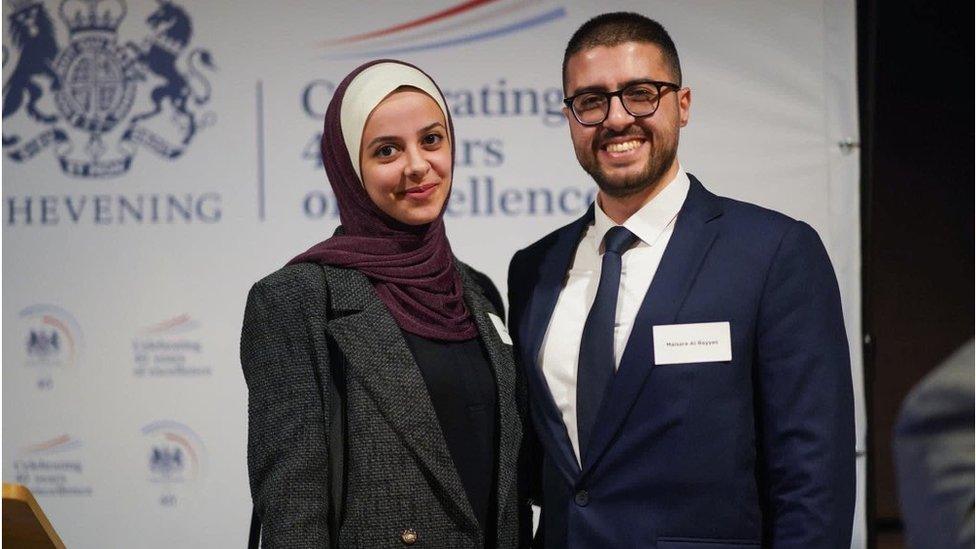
461, 384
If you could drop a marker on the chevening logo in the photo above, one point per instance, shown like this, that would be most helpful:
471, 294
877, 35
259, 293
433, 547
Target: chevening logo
104, 114
52, 341
175, 454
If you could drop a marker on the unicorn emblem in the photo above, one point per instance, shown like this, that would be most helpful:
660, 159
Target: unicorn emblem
172, 30
32, 33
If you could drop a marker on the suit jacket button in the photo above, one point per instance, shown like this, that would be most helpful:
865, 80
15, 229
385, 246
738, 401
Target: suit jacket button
582, 498
409, 536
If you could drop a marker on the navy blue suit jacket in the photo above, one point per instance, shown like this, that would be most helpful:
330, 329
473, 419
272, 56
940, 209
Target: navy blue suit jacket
758, 450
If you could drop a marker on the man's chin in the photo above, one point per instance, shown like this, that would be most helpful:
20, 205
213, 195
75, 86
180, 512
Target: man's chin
624, 181
620, 185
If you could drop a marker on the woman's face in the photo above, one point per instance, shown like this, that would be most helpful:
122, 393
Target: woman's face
405, 157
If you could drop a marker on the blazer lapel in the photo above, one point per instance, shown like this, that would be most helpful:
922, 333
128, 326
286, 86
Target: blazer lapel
552, 273
692, 238
377, 357
503, 363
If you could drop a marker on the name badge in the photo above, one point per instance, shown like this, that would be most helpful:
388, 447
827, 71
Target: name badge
500, 328
683, 343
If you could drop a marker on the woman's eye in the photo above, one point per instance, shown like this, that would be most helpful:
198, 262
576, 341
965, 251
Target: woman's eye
385, 151
432, 138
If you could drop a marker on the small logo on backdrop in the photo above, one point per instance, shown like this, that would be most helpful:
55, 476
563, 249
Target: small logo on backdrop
174, 453
53, 468
96, 84
175, 457
52, 341
171, 348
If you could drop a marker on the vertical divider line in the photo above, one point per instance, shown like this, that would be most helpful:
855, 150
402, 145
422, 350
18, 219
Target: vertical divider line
259, 89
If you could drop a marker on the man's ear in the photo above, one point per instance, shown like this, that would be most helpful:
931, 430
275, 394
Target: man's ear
684, 105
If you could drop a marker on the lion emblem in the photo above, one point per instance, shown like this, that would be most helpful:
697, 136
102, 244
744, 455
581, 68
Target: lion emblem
32, 33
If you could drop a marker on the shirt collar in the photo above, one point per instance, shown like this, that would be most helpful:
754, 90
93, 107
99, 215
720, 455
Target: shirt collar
652, 219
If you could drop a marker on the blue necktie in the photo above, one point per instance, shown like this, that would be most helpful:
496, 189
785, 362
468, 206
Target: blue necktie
596, 365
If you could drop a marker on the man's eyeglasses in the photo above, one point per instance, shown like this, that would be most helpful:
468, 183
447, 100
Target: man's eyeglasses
641, 99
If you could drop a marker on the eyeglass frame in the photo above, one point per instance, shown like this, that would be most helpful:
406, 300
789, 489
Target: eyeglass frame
659, 84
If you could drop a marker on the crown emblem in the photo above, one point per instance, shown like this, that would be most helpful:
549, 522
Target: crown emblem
92, 15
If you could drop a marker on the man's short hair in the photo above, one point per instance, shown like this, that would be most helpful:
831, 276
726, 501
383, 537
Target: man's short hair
613, 29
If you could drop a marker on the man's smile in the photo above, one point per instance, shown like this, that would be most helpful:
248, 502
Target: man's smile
623, 149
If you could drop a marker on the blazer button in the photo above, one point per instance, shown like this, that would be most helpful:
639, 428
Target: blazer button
409, 536
582, 498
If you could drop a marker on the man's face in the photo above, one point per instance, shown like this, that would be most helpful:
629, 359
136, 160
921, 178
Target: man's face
624, 154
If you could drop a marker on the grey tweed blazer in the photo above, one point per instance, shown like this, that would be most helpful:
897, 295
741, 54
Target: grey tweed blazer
399, 474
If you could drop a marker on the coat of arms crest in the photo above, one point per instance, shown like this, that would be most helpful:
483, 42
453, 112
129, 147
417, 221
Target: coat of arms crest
95, 81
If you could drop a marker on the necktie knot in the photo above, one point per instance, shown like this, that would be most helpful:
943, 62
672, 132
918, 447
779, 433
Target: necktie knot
618, 239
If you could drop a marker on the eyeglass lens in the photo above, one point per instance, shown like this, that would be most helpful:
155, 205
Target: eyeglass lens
638, 100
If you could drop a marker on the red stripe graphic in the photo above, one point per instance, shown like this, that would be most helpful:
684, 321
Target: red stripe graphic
447, 26
189, 448
465, 6
167, 324
49, 443
52, 321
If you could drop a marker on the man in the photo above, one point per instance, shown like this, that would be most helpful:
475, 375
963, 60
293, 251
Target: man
934, 456
685, 354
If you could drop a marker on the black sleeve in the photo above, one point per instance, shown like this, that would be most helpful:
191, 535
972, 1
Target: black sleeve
287, 446
530, 459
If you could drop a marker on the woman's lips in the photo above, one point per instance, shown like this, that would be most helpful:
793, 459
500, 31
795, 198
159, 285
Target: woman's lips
420, 192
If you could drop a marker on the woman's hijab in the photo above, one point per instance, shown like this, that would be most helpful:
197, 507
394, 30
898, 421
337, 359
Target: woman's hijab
411, 267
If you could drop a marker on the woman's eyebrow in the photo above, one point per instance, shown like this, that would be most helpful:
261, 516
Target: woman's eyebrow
382, 138
429, 127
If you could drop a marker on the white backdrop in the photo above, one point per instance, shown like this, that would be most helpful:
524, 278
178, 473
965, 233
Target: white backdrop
131, 237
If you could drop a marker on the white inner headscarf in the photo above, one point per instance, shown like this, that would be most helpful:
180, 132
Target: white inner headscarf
367, 90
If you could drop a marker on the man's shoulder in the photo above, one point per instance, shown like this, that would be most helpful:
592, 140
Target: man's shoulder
755, 225
945, 392
739, 212
756, 236
538, 248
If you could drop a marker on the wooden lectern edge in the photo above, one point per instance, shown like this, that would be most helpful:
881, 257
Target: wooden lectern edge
19, 492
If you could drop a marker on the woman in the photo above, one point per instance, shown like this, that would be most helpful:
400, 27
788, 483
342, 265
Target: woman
381, 383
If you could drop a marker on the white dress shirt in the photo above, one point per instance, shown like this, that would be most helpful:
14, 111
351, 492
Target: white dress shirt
559, 352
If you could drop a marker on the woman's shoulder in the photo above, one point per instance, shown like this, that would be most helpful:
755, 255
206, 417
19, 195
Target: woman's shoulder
297, 282
483, 282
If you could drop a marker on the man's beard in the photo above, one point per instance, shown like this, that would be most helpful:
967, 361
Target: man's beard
658, 163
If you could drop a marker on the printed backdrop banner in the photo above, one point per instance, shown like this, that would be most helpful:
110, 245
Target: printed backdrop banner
161, 156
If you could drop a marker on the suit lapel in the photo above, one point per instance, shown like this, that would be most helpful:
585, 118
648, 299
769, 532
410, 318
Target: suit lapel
552, 273
378, 358
503, 364
693, 236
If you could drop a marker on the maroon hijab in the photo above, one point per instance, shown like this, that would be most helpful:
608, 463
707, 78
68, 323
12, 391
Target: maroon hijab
411, 267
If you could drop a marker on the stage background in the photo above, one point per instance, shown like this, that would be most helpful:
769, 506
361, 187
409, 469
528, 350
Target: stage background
131, 237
